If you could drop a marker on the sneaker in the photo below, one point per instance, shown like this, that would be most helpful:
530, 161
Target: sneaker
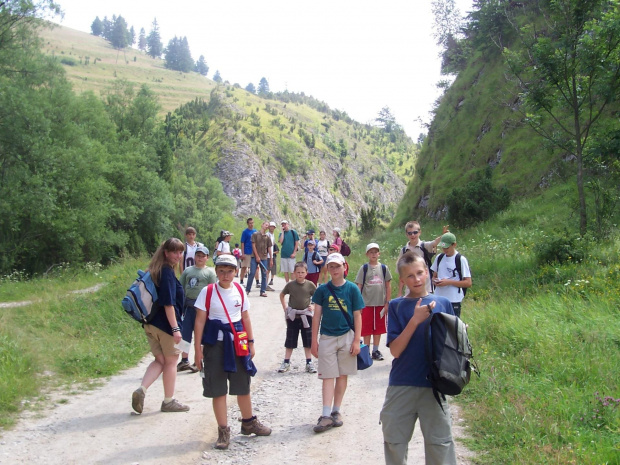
286, 366
255, 427
337, 418
263, 294
137, 400
376, 355
323, 424
310, 367
174, 406
257, 284
223, 437
183, 366
193, 368
269, 288
271, 282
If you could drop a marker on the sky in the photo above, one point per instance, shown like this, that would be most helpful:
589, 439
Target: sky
357, 56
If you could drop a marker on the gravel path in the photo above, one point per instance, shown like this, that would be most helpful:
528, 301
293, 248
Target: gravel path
99, 426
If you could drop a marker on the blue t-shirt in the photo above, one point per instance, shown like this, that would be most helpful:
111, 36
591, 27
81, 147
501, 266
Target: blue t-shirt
169, 292
288, 243
411, 368
333, 322
308, 257
246, 240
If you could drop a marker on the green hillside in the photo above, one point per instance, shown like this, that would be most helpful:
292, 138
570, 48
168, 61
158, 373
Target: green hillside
485, 119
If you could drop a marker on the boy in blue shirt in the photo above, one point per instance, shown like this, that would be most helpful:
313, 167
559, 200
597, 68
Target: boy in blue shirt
339, 344
409, 395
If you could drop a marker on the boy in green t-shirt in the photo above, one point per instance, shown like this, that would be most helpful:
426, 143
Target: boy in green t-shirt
298, 314
193, 279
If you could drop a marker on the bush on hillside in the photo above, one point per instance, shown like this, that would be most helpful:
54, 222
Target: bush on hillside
477, 201
560, 248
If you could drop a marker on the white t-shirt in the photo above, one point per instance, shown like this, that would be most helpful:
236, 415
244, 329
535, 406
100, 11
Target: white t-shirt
321, 248
190, 254
447, 269
232, 299
273, 241
224, 248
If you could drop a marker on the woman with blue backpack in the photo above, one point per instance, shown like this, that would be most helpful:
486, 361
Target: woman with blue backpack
163, 330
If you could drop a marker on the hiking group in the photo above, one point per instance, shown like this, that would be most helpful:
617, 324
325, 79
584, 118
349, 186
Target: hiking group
335, 320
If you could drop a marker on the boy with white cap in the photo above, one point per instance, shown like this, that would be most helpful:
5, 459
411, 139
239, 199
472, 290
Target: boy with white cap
374, 281
337, 311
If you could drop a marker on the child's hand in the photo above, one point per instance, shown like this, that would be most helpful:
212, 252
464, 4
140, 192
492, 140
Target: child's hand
422, 312
314, 349
355, 348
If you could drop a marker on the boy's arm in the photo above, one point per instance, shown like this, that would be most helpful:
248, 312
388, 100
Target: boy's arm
199, 324
282, 294
465, 282
357, 325
444, 230
316, 321
421, 313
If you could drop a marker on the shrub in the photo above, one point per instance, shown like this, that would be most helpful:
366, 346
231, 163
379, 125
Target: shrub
560, 248
68, 61
477, 201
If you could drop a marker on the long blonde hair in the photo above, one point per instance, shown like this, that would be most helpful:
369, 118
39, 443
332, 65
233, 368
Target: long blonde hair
159, 257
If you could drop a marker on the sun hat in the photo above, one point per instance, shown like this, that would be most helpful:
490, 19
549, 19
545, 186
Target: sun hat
227, 233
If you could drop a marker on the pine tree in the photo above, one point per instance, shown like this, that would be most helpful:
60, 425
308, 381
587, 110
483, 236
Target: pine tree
142, 40
201, 66
97, 27
154, 44
178, 56
119, 35
216, 77
107, 28
250, 88
132, 36
263, 87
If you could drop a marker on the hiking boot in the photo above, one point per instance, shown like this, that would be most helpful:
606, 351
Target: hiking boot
376, 355
184, 366
323, 424
223, 437
269, 288
286, 366
337, 418
174, 406
310, 367
256, 427
137, 400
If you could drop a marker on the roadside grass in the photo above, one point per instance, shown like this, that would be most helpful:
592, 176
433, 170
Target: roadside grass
546, 338
66, 340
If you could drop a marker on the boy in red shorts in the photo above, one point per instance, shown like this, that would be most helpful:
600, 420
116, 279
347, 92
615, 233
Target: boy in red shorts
374, 281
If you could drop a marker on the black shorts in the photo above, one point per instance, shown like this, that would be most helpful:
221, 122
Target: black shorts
218, 382
293, 328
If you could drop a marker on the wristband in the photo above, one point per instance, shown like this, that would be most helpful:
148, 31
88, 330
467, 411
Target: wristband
176, 329
250, 341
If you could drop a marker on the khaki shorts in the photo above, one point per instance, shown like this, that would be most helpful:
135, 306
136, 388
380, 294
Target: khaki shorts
160, 341
247, 260
335, 357
287, 265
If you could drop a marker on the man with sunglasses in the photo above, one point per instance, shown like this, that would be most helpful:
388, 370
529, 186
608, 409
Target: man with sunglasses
425, 249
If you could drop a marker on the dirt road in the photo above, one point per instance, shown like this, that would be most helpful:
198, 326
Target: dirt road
99, 426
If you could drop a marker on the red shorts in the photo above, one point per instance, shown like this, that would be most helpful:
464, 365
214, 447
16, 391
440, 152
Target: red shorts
372, 323
314, 277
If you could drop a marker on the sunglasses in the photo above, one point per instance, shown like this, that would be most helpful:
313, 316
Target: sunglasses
413, 233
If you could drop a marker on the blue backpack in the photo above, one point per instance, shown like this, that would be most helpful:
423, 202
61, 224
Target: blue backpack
141, 299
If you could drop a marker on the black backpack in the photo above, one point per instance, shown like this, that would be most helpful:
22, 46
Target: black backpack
448, 353
457, 261
425, 253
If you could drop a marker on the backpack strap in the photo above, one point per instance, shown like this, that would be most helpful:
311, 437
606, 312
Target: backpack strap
364, 279
346, 315
208, 298
457, 261
241, 291
428, 352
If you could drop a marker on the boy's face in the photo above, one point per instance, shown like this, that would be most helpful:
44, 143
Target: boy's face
413, 234
414, 277
225, 274
190, 237
449, 251
201, 259
311, 244
322, 235
373, 255
336, 270
250, 224
300, 274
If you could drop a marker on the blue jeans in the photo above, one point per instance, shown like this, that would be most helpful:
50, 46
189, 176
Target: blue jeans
263, 273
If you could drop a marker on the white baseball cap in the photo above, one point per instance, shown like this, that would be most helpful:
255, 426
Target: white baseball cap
372, 245
226, 260
335, 258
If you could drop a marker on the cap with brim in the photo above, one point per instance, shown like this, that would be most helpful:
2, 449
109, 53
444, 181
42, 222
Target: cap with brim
335, 258
447, 240
336, 247
372, 245
202, 249
272, 223
336, 229
310, 231
227, 233
226, 260
283, 221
